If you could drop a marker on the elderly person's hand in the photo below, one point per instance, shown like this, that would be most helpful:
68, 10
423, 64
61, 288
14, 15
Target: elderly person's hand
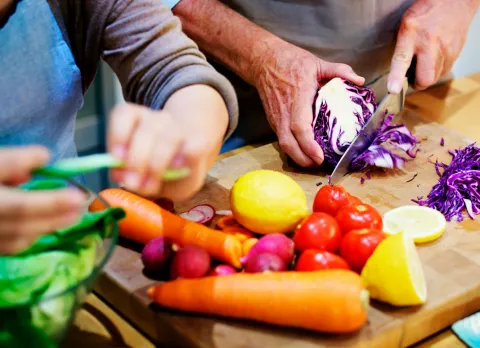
434, 31
287, 79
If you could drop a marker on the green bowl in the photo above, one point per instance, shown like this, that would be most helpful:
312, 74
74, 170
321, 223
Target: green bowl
42, 318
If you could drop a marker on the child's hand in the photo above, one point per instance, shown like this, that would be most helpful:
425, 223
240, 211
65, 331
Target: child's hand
188, 132
24, 216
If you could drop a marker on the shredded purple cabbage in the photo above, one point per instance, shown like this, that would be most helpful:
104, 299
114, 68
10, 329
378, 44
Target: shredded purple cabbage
413, 178
442, 142
459, 185
378, 155
391, 138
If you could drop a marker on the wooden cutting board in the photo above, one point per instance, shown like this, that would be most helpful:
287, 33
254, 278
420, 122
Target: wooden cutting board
451, 264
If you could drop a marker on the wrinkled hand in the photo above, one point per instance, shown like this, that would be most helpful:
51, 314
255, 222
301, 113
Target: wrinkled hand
24, 216
287, 80
188, 133
435, 32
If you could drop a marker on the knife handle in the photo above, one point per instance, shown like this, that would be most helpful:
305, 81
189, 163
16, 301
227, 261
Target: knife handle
412, 71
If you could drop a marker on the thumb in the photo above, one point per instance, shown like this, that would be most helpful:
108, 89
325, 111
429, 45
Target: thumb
17, 163
330, 70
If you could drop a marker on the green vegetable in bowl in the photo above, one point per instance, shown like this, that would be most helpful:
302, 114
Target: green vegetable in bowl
42, 286
87, 224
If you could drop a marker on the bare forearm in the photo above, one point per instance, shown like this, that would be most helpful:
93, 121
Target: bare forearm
199, 101
226, 36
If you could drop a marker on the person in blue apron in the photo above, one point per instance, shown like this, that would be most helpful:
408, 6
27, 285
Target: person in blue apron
277, 54
180, 112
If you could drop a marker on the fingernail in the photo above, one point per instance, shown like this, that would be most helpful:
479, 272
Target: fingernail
132, 180
318, 160
178, 161
394, 87
119, 152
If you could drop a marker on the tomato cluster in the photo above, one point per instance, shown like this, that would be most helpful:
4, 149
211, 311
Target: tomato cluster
342, 232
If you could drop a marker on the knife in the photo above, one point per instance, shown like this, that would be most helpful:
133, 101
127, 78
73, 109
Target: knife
394, 104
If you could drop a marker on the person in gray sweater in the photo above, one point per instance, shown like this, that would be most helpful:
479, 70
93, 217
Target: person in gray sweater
180, 108
277, 53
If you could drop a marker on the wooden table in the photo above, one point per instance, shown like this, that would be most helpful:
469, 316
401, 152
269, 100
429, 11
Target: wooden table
454, 105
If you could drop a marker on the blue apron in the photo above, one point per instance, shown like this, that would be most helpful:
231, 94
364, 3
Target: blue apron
40, 84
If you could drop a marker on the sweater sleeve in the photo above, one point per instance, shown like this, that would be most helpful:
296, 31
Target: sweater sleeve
144, 45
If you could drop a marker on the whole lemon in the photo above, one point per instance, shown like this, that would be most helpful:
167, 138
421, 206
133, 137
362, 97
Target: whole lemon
266, 201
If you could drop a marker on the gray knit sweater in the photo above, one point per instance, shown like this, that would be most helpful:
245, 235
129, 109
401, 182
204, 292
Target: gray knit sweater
143, 43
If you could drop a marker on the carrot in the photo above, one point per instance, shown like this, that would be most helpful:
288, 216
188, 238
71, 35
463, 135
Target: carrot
145, 221
247, 245
333, 301
239, 232
227, 220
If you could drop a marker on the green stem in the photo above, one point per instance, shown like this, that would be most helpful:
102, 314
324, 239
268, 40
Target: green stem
71, 167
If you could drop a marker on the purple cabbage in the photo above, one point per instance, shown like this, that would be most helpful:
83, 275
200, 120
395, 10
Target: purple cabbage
459, 185
341, 109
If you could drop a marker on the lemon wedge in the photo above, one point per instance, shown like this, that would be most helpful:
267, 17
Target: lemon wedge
266, 201
393, 274
422, 224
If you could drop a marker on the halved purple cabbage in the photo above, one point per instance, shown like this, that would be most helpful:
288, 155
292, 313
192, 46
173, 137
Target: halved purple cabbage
341, 109
459, 185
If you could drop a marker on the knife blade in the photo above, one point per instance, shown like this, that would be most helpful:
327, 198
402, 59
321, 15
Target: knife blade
394, 104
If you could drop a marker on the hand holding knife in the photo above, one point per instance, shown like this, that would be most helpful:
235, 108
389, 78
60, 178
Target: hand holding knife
393, 103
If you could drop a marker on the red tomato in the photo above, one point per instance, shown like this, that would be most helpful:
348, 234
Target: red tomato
314, 260
331, 198
357, 246
352, 200
357, 217
318, 231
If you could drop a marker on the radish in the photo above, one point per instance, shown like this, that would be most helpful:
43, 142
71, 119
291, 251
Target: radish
156, 254
202, 214
222, 270
265, 262
196, 216
190, 262
277, 244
